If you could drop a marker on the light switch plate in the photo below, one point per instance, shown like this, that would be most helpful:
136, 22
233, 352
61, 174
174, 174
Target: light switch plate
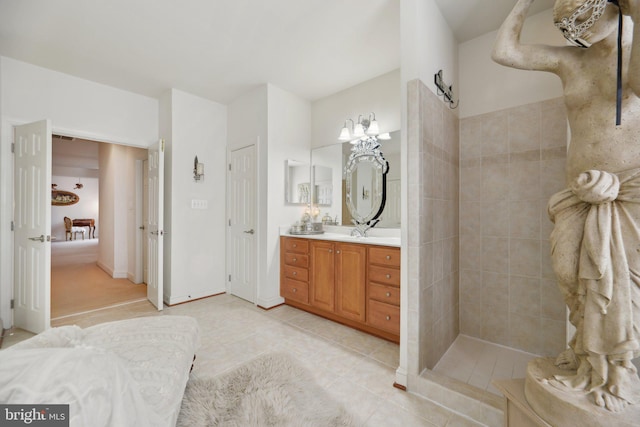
198, 204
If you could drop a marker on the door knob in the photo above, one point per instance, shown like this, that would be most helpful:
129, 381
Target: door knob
38, 239
141, 227
250, 231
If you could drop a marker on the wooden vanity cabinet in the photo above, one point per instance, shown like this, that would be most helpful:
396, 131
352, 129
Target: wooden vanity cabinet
351, 283
294, 269
383, 304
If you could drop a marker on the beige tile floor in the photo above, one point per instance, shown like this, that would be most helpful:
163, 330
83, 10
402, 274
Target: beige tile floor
477, 362
356, 368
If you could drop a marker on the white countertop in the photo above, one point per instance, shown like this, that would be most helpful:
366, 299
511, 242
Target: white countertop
343, 237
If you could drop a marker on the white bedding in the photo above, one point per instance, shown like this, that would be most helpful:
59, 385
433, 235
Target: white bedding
129, 372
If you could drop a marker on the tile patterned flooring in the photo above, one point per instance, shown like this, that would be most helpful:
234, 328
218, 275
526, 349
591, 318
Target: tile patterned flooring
356, 368
477, 363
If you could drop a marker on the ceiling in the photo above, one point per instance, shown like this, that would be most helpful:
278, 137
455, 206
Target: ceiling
219, 49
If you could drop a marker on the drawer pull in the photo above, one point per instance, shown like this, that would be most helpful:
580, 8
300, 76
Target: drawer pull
388, 294
330, 251
388, 256
388, 317
295, 245
388, 276
337, 252
295, 273
295, 290
295, 260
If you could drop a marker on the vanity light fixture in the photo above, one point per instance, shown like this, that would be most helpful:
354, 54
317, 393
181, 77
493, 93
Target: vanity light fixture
198, 170
365, 127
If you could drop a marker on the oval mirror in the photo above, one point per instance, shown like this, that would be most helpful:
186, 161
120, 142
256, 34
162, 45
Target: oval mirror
365, 176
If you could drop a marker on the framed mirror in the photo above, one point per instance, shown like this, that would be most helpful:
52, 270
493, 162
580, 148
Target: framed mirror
297, 183
336, 156
365, 176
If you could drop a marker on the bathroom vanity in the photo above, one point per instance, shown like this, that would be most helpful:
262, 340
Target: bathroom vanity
354, 281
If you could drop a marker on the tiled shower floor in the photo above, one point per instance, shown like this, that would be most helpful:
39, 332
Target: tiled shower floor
477, 363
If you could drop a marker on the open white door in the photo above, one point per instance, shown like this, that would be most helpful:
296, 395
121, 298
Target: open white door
242, 219
155, 235
32, 226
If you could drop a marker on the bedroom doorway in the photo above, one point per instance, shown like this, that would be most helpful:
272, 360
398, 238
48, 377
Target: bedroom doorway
78, 283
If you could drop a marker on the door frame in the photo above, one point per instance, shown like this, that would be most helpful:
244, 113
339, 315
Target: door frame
6, 203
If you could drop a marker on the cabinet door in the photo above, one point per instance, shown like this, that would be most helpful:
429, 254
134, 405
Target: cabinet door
322, 275
351, 281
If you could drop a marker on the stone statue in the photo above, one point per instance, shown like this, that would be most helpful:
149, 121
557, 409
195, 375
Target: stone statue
596, 237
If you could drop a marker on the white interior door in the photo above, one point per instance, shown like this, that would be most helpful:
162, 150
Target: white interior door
32, 222
145, 221
241, 264
155, 235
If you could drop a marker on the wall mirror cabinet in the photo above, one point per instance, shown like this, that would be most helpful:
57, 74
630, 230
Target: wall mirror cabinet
297, 182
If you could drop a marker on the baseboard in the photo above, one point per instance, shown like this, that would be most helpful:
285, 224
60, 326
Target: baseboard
270, 303
188, 298
111, 272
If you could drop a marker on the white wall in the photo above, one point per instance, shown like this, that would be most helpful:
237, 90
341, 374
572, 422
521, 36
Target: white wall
428, 45
278, 123
76, 107
487, 86
289, 121
87, 206
198, 128
247, 125
380, 95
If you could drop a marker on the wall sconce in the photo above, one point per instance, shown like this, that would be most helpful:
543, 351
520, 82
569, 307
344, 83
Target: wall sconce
364, 127
446, 92
198, 170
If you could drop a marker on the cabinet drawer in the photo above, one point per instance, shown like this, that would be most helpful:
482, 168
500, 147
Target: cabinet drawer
386, 275
296, 260
295, 290
386, 294
384, 256
296, 245
296, 273
384, 316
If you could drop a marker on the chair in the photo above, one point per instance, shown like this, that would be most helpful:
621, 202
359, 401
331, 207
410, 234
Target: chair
71, 232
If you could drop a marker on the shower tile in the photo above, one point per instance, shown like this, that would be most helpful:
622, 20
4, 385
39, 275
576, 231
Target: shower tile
524, 219
471, 138
471, 184
495, 325
524, 257
495, 291
495, 182
553, 339
524, 332
524, 296
495, 254
552, 304
495, 218
524, 128
494, 133
470, 252
524, 180
546, 265
470, 316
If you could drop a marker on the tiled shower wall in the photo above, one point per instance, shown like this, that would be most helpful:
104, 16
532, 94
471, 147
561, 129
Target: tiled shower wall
511, 162
433, 201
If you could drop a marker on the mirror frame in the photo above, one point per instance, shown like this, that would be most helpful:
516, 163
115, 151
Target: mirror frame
366, 150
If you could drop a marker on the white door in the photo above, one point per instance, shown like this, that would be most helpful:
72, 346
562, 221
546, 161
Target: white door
32, 222
241, 264
145, 221
155, 235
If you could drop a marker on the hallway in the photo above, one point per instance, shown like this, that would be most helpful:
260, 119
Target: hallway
78, 285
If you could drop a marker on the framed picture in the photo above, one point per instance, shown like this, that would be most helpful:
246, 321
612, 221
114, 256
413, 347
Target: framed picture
63, 198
